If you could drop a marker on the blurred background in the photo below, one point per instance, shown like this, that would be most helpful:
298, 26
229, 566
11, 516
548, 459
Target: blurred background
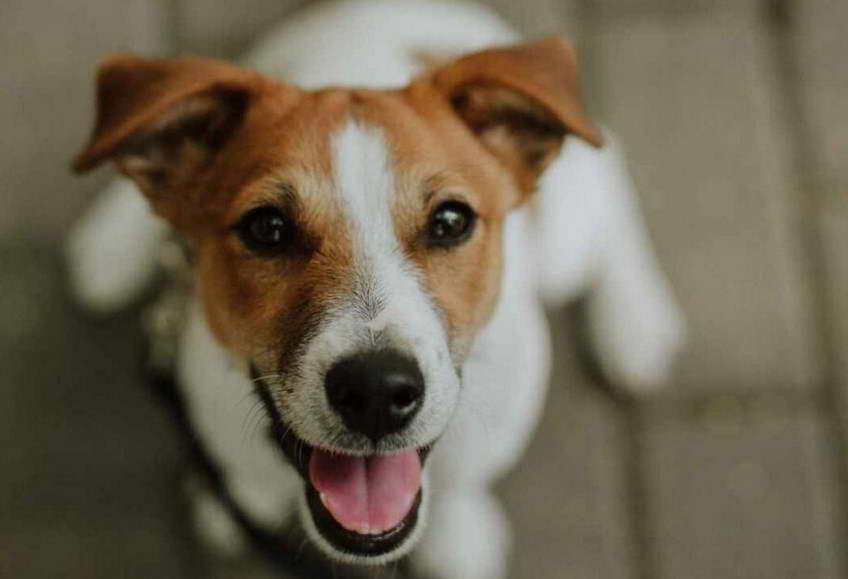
735, 117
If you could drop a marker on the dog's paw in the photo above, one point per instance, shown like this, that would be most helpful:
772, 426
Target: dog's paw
215, 528
636, 332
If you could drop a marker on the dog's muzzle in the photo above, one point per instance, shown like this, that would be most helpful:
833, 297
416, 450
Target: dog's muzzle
362, 506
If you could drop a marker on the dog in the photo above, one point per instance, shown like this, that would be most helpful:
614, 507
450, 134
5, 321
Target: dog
378, 209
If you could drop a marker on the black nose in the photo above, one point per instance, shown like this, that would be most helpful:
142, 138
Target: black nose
376, 393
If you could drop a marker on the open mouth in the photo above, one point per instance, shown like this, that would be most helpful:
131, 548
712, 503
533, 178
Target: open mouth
365, 505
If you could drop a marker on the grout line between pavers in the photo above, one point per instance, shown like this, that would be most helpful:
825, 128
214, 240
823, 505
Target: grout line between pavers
632, 430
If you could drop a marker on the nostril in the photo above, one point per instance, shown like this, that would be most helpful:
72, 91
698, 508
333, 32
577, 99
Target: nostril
405, 400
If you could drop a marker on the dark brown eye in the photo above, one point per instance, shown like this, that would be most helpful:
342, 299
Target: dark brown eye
265, 230
450, 224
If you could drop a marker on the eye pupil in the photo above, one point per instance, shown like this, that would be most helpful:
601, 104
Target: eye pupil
267, 228
264, 229
450, 224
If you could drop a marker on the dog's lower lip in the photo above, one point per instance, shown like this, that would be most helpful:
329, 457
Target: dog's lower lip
364, 545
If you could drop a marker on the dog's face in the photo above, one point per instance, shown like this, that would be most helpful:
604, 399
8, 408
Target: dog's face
347, 247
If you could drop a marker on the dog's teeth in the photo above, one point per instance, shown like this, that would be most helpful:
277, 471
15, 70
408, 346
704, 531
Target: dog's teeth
323, 500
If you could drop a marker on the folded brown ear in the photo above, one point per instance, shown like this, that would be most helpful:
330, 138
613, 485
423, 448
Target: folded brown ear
520, 101
159, 120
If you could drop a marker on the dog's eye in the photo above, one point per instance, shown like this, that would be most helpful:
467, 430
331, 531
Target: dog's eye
265, 229
450, 224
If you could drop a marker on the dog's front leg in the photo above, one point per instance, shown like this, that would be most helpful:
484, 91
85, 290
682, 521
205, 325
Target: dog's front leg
635, 324
467, 537
591, 238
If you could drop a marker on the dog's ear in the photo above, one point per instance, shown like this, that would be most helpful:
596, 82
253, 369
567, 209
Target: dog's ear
520, 101
162, 120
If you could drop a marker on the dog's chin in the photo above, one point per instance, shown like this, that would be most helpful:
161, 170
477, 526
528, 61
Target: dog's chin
341, 542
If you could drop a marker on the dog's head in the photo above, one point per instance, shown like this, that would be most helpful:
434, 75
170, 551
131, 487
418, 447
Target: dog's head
347, 246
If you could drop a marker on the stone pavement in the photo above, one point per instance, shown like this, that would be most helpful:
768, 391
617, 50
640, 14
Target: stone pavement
735, 117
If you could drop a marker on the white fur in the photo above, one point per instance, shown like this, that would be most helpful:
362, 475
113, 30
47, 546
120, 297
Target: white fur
588, 235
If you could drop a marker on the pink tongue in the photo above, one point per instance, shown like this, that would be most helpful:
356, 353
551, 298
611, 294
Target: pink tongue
367, 495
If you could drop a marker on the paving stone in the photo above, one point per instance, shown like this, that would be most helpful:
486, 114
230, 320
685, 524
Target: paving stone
566, 498
741, 495
693, 98
89, 465
48, 54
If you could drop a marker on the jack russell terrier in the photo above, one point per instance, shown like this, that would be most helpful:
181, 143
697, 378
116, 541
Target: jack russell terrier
377, 211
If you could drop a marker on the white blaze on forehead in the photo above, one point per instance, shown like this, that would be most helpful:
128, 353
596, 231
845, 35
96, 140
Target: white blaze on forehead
364, 179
